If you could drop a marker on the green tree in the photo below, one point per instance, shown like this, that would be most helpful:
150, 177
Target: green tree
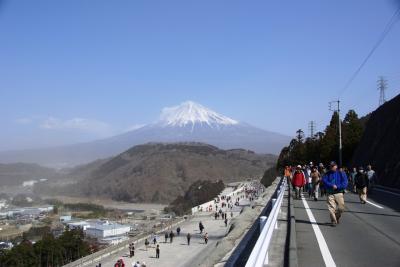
20, 256
352, 133
330, 143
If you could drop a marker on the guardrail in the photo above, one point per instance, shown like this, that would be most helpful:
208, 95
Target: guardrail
259, 254
242, 251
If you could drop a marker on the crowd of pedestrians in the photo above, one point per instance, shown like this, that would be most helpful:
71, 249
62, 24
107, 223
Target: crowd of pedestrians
223, 209
334, 182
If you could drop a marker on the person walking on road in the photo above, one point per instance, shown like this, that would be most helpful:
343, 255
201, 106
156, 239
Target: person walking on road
131, 250
146, 243
298, 181
206, 238
335, 183
353, 180
166, 237
171, 236
316, 178
188, 236
322, 171
158, 251
201, 227
362, 181
371, 177
178, 231
288, 173
226, 222
309, 187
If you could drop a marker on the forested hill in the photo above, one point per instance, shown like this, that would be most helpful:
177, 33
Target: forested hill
380, 143
159, 172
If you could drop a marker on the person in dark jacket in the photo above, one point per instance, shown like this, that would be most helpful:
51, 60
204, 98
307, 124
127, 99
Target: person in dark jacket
131, 250
201, 227
188, 236
335, 183
166, 237
158, 251
362, 182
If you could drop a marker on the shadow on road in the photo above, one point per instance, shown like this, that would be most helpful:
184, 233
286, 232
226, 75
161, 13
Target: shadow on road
359, 212
317, 223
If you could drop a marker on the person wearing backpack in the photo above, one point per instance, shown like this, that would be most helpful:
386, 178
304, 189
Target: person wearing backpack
335, 183
362, 182
315, 179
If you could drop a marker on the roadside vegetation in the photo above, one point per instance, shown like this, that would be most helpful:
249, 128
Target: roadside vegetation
199, 192
49, 251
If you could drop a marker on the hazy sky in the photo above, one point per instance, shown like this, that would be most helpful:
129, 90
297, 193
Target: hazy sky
81, 70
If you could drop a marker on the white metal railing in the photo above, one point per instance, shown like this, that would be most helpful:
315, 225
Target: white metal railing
259, 254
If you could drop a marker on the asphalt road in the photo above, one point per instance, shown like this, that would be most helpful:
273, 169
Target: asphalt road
368, 234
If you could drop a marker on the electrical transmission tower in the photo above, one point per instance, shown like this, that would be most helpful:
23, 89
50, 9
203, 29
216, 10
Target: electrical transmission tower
337, 109
382, 86
311, 128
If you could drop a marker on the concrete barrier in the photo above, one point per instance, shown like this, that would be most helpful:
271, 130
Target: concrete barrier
291, 259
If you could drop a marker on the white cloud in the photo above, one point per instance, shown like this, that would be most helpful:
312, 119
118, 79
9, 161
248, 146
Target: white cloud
81, 124
134, 127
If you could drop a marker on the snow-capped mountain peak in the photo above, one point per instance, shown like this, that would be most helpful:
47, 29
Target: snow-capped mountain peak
192, 113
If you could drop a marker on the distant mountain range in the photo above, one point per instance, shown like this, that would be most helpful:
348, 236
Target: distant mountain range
188, 122
160, 172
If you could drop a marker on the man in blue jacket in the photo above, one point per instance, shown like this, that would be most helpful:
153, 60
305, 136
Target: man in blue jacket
335, 183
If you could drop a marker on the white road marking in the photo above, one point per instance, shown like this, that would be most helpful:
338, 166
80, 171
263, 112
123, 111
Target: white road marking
326, 254
385, 191
373, 204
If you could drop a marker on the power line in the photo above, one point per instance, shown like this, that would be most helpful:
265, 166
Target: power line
382, 37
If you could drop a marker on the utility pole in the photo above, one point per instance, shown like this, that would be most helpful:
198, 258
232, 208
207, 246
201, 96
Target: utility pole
382, 86
311, 128
337, 109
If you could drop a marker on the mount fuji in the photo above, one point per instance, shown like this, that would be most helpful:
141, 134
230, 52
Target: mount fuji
187, 122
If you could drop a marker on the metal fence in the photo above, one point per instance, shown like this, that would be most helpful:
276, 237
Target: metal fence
259, 254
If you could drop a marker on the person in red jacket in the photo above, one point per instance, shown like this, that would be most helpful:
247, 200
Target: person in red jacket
298, 180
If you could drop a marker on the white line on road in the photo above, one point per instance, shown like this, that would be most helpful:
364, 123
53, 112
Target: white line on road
373, 204
326, 254
385, 191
